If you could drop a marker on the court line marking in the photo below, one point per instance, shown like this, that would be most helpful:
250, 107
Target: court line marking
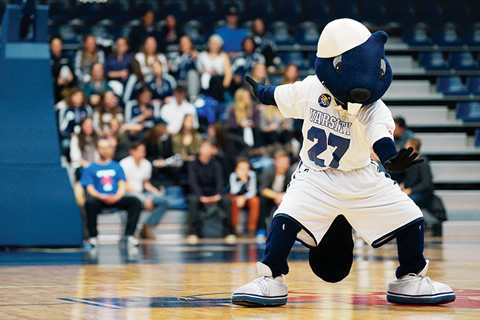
96, 304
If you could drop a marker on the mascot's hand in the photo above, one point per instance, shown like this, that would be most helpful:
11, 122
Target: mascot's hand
403, 160
254, 84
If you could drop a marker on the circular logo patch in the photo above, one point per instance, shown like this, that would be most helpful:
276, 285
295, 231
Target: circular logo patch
324, 100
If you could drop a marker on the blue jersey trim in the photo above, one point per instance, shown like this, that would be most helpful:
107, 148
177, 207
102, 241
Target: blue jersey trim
266, 95
385, 149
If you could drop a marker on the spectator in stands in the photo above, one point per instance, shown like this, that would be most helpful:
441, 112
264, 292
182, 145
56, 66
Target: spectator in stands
258, 72
290, 74
86, 57
107, 110
138, 171
243, 192
143, 110
205, 180
62, 74
273, 184
171, 34
215, 69
148, 55
229, 147
116, 67
122, 136
97, 85
417, 182
244, 118
187, 142
145, 29
75, 110
161, 84
276, 131
174, 112
264, 43
166, 166
401, 133
105, 184
244, 62
83, 150
231, 34
183, 67
134, 82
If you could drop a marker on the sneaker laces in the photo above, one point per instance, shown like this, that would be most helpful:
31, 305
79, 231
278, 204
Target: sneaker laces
419, 278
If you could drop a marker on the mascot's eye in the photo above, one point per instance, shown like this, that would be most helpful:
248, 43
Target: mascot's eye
383, 68
337, 63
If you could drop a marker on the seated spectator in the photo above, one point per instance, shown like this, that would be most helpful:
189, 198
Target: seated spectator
62, 69
86, 57
215, 69
187, 142
290, 74
243, 118
401, 133
244, 62
183, 67
166, 165
161, 84
147, 56
243, 192
73, 112
273, 184
143, 110
206, 192
231, 34
174, 112
97, 85
229, 147
265, 43
133, 83
276, 131
107, 110
145, 29
417, 183
138, 171
105, 184
170, 35
83, 149
116, 67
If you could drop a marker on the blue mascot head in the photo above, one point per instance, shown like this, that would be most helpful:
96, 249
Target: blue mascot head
351, 63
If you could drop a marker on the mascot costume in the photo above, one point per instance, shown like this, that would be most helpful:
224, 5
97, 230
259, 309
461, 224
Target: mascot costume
336, 185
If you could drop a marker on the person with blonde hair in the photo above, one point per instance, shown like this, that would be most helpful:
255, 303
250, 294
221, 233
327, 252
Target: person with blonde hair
243, 117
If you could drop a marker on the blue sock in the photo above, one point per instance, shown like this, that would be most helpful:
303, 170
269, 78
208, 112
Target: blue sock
280, 239
410, 249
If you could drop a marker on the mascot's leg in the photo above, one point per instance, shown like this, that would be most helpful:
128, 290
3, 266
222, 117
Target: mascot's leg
411, 285
269, 290
332, 259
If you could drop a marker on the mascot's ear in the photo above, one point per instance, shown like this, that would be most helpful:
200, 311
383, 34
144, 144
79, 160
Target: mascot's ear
380, 36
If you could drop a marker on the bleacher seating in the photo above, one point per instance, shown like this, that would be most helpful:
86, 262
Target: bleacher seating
451, 85
468, 111
434, 50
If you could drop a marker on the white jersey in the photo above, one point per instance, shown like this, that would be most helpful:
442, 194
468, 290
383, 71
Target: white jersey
333, 138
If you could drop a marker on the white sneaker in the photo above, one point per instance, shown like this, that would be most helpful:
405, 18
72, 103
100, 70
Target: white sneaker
419, 289
93, 241
131, 241
265, 291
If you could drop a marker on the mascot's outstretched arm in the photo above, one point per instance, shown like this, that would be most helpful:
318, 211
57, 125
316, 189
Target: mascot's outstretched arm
263, 93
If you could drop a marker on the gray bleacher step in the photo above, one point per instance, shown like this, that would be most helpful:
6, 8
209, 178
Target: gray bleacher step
415, 115
461, 230
447, 141
455, 171
461, 205
411, 90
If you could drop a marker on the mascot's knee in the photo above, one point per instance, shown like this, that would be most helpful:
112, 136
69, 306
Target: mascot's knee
286, 223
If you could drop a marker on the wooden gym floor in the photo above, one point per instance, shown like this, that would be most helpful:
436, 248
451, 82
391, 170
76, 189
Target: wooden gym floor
169, 279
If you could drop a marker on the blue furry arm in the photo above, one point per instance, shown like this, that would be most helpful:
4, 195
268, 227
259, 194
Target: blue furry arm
265, 95
385, 149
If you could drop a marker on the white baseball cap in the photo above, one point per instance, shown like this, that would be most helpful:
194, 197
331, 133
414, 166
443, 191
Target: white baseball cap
341, 35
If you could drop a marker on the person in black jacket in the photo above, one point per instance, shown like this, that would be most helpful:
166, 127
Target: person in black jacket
205, 180
417, 182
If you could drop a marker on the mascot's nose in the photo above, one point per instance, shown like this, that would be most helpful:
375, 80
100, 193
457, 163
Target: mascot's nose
360, 94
